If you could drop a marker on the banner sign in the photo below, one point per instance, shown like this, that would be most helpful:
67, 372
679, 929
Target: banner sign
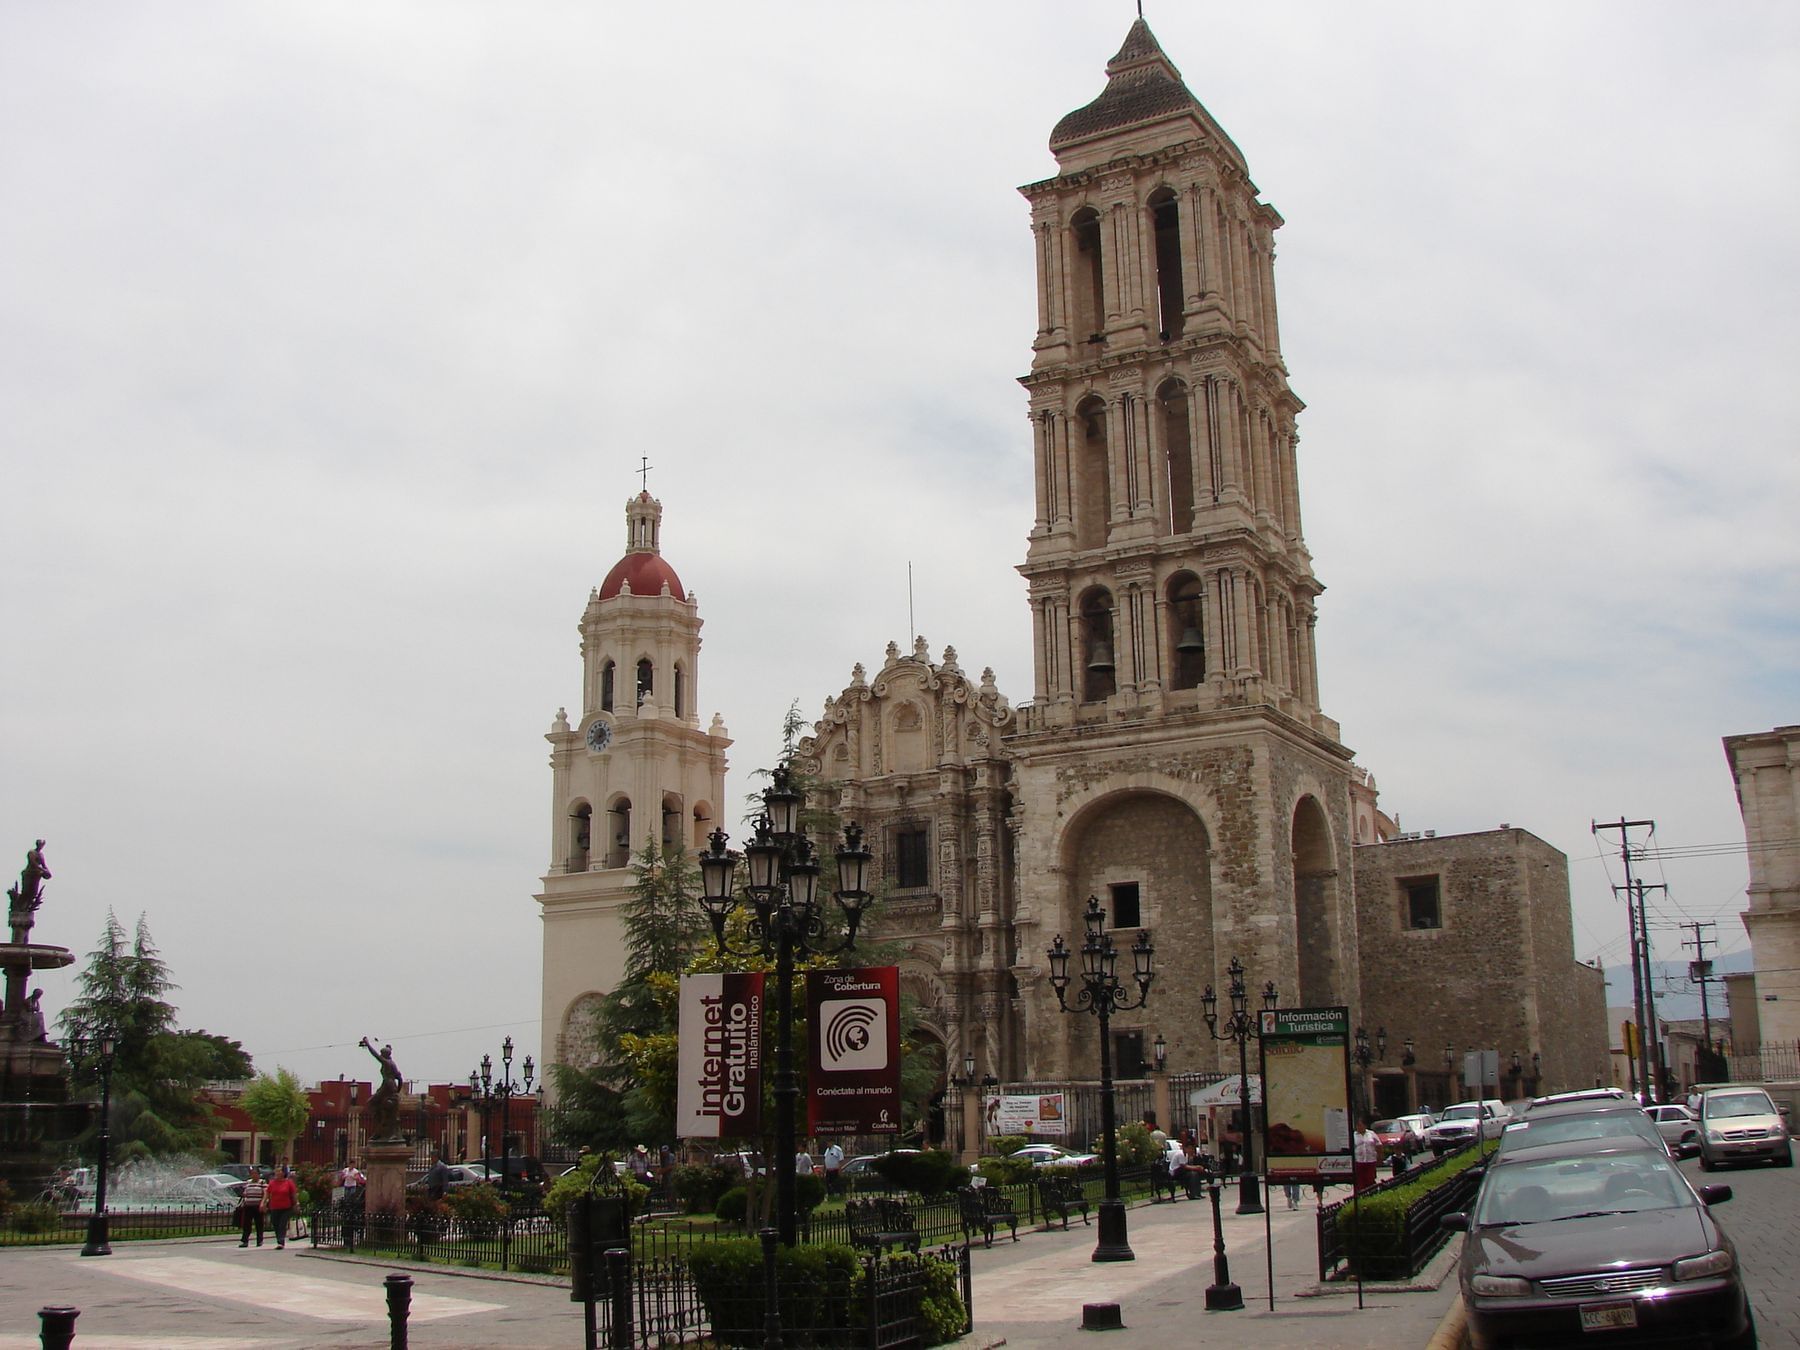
1032, 1113
1306, 1091
719, 1063
853, 1051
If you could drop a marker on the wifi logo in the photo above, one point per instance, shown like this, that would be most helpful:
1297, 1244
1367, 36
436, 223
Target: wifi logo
853, 1035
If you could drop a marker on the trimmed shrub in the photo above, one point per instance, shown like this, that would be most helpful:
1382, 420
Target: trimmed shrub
698, 1186
731, 1206
930, 1173
1005, 1171
815, 1284
1373, 1229
1136, 1147
36, 1216
940, 1307
473, 1204
1002, 1144
809, 1193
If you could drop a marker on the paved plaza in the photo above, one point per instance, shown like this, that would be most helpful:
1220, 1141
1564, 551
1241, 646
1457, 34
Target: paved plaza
208, 1294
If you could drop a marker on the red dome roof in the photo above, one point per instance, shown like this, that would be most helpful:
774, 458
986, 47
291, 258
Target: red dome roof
646, 572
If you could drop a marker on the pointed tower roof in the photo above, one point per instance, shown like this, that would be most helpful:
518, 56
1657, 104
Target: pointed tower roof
642, 567
1142, 86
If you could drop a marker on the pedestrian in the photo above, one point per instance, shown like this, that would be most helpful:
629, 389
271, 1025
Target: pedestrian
281, 1197
1368, 1155
437, 1180
250, 1208
351, 1178
834, 1164
639, 1163
803, 1163
1291, 1185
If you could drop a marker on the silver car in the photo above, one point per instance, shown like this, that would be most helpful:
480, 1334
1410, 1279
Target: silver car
1741, 1124
1678, 1127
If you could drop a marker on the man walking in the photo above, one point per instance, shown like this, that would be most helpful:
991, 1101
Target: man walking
250, 1208
834, 1163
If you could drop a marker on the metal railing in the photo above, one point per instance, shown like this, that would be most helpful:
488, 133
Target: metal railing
1412, 1237
41, 1224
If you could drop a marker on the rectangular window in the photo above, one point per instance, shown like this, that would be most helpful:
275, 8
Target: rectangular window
912, 857
1128, 1054
1125, 911
1420, 901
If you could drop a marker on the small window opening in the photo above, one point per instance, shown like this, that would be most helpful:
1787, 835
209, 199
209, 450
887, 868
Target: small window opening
912, 857
606, 686
1165, 214
1125, 910
646, 681
1422, 907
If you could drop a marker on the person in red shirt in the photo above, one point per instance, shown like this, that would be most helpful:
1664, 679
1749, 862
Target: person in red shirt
283, 1196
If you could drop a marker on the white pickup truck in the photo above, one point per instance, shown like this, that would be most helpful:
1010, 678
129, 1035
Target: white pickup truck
1458, 1124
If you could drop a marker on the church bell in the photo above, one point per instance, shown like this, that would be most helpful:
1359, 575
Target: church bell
1190, 640
1100, 655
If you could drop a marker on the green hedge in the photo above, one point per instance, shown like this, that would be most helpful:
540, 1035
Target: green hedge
821, 1292
930, 1173
1373, 1228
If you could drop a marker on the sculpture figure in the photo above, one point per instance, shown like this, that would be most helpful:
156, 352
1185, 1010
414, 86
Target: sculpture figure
27, 893
31, 1019
384, 1105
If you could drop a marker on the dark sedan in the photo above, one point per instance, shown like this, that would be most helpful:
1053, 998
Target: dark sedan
1576, 1244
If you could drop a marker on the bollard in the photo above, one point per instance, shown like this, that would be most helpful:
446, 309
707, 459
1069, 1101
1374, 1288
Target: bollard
618, 1280
772, 1294
58, 1327
399, 1297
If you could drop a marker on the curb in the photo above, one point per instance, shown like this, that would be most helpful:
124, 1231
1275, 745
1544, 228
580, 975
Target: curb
1452, 1332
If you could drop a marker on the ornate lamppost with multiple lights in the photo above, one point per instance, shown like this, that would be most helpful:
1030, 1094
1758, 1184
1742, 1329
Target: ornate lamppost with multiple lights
1240, 1026
486, 1090
786, 920
99, 1232
1366, 1054
1103, 993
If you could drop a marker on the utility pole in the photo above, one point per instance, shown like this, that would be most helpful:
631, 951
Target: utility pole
1632, 916
1656, 1051
1700, 971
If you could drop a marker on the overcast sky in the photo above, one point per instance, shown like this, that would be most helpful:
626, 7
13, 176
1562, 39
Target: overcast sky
331, 336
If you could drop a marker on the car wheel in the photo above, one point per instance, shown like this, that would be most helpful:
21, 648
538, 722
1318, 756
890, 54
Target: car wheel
1707, 1164
1748, 1340
1787, 1157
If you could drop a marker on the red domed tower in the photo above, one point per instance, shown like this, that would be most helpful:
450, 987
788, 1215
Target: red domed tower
636, 769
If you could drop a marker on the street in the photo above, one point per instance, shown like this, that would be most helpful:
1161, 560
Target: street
1763, 1218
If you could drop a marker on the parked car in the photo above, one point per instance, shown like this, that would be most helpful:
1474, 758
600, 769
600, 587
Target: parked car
1395, 1136
1418, 1124
1598, 1122
1568, 1243
1053, 1155
1741, 1124
1679, 1127
461, 1174
1601, 1094
1460, 1123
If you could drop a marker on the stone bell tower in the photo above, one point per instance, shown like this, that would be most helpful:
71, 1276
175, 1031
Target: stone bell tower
636, 767
1174, 760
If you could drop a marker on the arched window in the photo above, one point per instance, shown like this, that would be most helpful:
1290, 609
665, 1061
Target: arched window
1187, 631
671, 820
680, 690
1088, 280
1099, 680
581, 836
1095, 475
1165, 219
618, 850
702, 824
1177, 438
646, 684
606, 685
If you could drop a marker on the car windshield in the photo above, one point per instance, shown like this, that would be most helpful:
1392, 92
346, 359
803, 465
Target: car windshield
1739, 1104
1554, 1189
1461, 1113
1388, 1127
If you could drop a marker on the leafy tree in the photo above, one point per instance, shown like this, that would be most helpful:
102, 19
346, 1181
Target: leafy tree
157, 1071
278, 1106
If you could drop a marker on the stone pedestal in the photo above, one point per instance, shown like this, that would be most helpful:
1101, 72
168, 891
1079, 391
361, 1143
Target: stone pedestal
384, 1162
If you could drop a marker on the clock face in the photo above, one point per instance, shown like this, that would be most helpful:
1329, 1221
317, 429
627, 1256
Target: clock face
599, 736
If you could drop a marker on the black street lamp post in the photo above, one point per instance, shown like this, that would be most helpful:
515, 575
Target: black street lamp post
1103, 993
1240, 1026
1366, 1054
487, 1090
99, 1235
786, 921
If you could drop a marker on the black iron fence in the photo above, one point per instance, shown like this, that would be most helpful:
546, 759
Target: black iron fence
1383, 1239
1774, 1062
42, 1224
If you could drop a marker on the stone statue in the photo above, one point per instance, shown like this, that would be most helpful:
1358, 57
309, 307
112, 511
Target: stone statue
384, 1106
31, 1019
28, 892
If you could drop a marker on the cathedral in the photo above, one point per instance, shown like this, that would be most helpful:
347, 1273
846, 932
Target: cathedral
1174, 759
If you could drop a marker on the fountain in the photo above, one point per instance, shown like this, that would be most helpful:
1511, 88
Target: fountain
37, 1120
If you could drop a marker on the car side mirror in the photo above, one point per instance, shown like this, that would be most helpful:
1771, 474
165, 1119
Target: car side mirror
1715, 1194
1459, 1221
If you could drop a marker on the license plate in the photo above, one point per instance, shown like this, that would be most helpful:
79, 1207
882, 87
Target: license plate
1608, 1316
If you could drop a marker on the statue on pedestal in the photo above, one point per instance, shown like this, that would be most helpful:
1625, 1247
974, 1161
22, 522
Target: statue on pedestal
384, 1106
27, 893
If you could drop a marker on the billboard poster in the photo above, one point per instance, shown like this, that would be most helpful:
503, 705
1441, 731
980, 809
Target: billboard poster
1032, 1113
853, 1051
1306, 1092
719, 1062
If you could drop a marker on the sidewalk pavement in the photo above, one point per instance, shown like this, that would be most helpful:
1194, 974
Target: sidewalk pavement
1031, 1293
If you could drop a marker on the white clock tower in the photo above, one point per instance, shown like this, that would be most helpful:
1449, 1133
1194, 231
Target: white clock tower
637, 767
